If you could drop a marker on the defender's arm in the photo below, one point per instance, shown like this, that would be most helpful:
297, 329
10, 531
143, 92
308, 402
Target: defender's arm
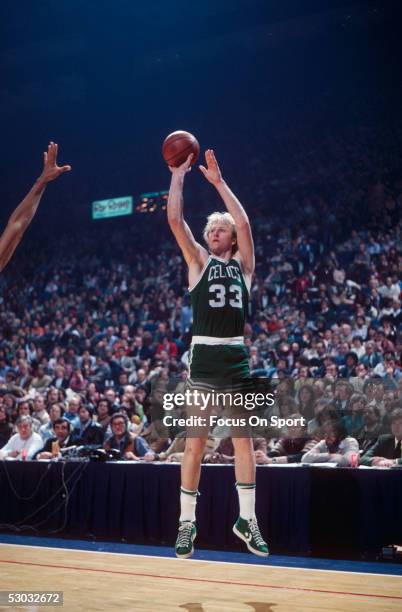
25, 211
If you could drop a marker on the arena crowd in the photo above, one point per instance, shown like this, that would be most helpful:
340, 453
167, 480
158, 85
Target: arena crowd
96, 324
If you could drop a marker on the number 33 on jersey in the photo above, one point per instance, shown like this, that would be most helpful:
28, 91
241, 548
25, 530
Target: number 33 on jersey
219, 300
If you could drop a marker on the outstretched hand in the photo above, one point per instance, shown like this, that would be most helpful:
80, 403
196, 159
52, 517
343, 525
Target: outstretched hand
212, 172
51, 170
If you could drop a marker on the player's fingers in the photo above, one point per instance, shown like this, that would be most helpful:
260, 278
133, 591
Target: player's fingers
65, 169
44, 157
188, 160
203, 170
50, 152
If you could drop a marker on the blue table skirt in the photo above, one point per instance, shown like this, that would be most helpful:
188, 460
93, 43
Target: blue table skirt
301, 509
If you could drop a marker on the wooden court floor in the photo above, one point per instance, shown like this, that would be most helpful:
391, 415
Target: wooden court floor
118, 582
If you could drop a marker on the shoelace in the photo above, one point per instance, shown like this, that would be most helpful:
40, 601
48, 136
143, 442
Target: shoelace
184, 537
255, 532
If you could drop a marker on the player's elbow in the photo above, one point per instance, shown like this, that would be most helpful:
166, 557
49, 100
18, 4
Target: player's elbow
242, 223
175, 220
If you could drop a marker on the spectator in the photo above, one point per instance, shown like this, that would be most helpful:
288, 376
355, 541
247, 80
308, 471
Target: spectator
5, 427
354, 420
130, 446
336, 446
372, 428
61, 439
386, 452
39, 410
88, 433
103, 413
292, 447
47, 431
71, 414
24, 444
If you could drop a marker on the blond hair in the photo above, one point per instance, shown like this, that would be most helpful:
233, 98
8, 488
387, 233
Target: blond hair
224, 218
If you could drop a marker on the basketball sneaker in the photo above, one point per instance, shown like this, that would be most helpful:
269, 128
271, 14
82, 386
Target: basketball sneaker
248, 531
185, 538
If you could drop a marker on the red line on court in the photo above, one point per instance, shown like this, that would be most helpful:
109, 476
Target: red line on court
213, 581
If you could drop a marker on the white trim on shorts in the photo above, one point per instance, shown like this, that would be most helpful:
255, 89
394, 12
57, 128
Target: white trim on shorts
213, 341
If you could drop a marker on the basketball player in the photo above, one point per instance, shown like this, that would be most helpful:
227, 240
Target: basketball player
25, 211
219, 285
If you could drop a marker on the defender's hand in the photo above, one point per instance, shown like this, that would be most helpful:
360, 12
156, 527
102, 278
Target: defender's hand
51, 170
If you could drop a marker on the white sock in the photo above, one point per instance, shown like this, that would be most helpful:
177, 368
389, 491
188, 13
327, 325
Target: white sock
188, 502
246, 494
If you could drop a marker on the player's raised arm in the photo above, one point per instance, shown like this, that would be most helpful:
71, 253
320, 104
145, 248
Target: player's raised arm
25, 211
193, 252
244, 237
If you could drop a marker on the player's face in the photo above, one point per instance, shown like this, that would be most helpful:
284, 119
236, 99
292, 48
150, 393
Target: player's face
220, 238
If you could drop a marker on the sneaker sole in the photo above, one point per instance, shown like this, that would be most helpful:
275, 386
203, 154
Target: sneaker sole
190, 554
251, 549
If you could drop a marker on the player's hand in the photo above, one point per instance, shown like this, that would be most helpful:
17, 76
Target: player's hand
51, 170
212, 172
184, 168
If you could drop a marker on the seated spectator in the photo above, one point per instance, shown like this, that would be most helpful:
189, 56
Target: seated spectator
61, 439
372, 428
290, 448
78, 383
354, 420
88, 433
24, 444
60, 380
23, 379
349, 369
24, 408
53, 396
103, 413
41, 381
336, 446
130, 446
47, 431
388, 369
305, 401
39, 411
372, 357
112, 397
73, 405
5, 427
387, 452
342, 394
324, 411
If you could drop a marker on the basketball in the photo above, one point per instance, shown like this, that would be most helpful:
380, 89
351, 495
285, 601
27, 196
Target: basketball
178, 146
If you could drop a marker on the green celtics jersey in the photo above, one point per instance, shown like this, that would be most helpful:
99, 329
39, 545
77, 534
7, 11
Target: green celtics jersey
220, 300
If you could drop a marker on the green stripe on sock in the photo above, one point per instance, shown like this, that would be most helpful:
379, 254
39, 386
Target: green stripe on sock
241, 485
187, 492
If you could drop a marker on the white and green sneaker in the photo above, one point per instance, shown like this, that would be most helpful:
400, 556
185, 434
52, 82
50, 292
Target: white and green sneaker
249, 532
185, 538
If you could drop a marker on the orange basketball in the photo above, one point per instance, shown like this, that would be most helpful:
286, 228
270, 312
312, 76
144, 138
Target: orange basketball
178, 146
